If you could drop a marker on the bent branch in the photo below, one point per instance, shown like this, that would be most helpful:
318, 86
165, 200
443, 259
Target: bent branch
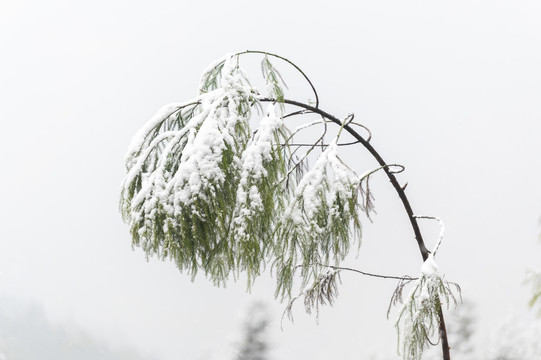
399, 189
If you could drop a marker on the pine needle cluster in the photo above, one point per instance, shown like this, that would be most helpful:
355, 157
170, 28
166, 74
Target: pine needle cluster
419, 318
206, 190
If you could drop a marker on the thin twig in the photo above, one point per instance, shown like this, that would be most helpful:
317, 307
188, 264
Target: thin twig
401, 168
324, 145
305, 155
442, 230
405, 277
300, 112
364, 127
340, 268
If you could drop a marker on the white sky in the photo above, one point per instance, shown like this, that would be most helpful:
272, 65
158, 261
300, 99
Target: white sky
449, 89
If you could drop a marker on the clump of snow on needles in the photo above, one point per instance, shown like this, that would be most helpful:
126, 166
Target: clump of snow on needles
202, 141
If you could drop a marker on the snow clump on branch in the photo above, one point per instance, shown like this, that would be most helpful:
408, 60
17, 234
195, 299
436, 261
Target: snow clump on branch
205, 190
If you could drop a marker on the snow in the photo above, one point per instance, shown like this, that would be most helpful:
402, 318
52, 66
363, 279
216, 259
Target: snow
419, 313
253, 161
211, 68
155, 122
201, 141
188, 154
326, 181
312, 184
429, 267
259, 150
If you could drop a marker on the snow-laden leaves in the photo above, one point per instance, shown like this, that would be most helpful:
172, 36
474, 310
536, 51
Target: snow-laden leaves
419, 317
209, 192
320, 222
206, 190
273, 80
182, 171
260, 195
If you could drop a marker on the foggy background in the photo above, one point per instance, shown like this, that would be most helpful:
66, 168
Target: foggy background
451, 90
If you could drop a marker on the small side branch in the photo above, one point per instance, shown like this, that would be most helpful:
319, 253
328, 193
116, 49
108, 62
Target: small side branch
442, 230
400, 169
341, 268
324, 289
405, 277
322, 145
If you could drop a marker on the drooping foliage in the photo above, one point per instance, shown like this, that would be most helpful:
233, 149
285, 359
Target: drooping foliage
419, 315
214, 193
219, 184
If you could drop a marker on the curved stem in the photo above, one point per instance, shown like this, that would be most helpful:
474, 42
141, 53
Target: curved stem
401, 194
290, 63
